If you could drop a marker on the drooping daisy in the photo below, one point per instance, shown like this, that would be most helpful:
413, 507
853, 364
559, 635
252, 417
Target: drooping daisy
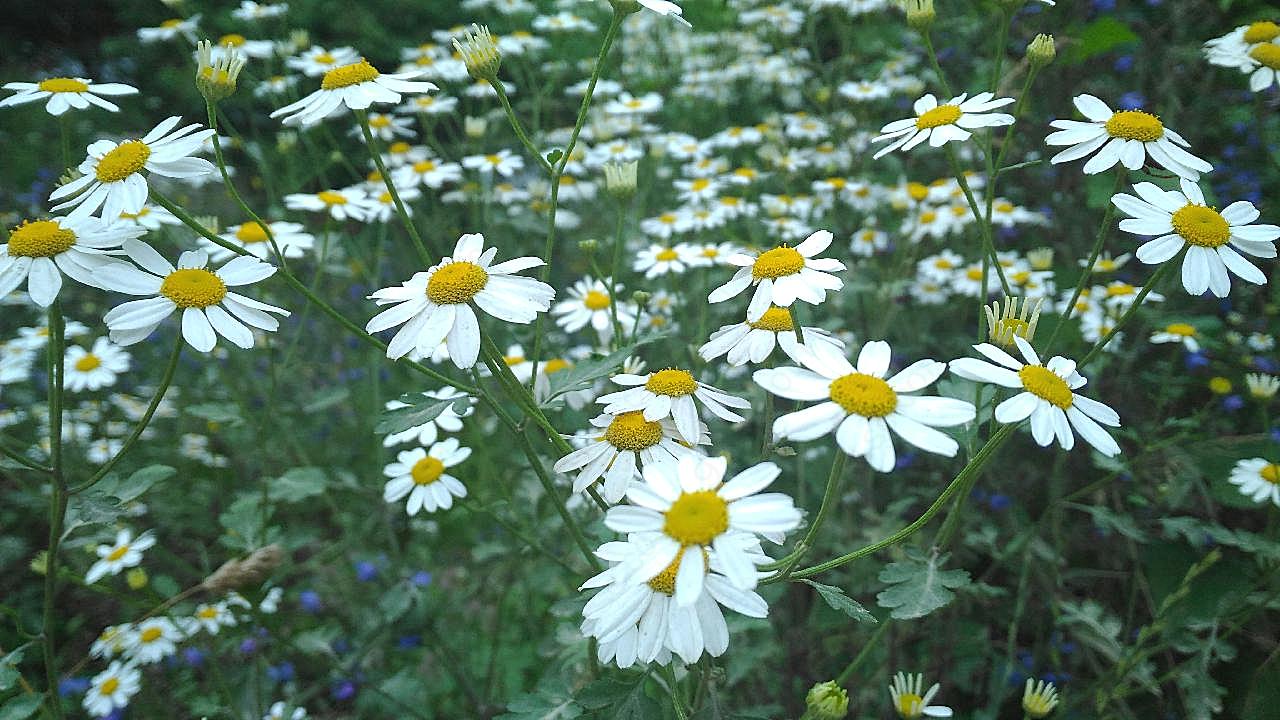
1126, 137
671, 392
783, 275
112, 689
356, 86
292, 239
1046, 396
125, 552
202, 295
861, 406
625, 443
40, 251
94, 369
349, 203
112, 175
437, 304
65, 93
152, 640
426, 433
641, 623
752, 342
940, 124
689, 513
1182, 219
421, 475
587, 302
1039, 698
1257, 478
911, 700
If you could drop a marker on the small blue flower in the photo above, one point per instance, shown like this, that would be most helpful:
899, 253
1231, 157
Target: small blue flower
1232, 403
248, 646
310, 601
366, 571
1196, 360
408, 642
73, 686
422, 578
281, 673
343, 690
999, 501
1133, 100
1124, 63
193, 656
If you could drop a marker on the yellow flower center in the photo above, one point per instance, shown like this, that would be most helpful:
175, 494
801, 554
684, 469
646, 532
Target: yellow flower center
665, 581
1181, 329
775, 319
193, 288
1046, 385
917, 191
941, 115
207, 613
88, 362
1135, 125
126, 159
909, 705
1200, 225
671, 382
555, 365
862, 394
348, 75
329, 197
1271, 473
697, 518
630, 431
1268, 54
171, 23
109, 686
973, 273
1120, 289
927, 217
325, 58
151, 634
399, 147
777, 262
512, 360
424, 166
379, 121
1261, 31
596, 300
1007, 328
426, 471
456, 283
251, 232
63, 85
666, 255
42, 238
118, 553
234, 40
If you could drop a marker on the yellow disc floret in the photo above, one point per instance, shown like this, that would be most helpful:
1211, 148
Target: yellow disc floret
1261, 31
630, 431
910, 705
1135, 125
665, 581
939, 116
126, 159
251, 232
1200, 225
426, 471
1267, 54
88, 362
596, 300
109, 687
348, 75
777, 262
1181, 330
865, 395
150, 635
63, 85
193, 288
118, 553
42, 238
456, 282
1046, 385
1271, 473
775, 319
667, 255
697, 518
671, 382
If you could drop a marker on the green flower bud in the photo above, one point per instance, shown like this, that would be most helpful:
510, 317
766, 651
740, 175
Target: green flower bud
1041, 50
827, 701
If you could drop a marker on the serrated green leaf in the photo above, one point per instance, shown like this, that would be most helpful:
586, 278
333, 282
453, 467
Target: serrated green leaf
551, 701
584, 373
420, 409
9, 668
21, 707
131, 488
919, 585
298, 484
837, 600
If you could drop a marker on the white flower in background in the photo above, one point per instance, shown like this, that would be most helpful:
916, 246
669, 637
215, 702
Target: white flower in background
125, 552
1127, 137
65, 93
111, 177
436, 305
753, 342
1257, 478
1182, 219
1264, 64
426, 433
96, 368
940, 124
110, 642
202, 295
671, 392
210, 617
277, 710
619, 446
504, 162
587, 302
291, 238
421, 475
318, 61
1046, 396
783, 275
357, 86
349, 203
172, 29
685, 507
663, 8
1262, 387
911, 700
1232, 49
112, 689
152, 640
1184, 334
861, 406
39, 252
641, 622
250, 10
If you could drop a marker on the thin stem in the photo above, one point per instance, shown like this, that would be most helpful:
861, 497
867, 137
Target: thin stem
853, 665
1137, 302
231, 188
24, 461
57, 502
519, 129
1002, 41
933, 61
828, 500
984, 228
372, 144
613, 276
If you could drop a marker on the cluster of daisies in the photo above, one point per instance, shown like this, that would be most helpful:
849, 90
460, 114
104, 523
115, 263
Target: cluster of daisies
1252, 49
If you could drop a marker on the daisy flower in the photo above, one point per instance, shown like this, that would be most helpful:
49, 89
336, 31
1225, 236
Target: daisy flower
1126, 137
290, 237
211, 618
686, 506
112, 689
666, 9
861, 406
1212, 238
783, 275
587, 302
638, 623
504, 162
202, 295
125, 552
420, 474
1046, 396
318, 61
1265, 57
39, 252
1039, 698
671, 392
624, 442
437, 304
276, 712
1184, 334
429, 172
152, 640
356, 86
426, 433
659, 259
1257, 478
94, 369
65, 93
171, 29
911, 700
752, 342
349, 203
111, 177
940, 124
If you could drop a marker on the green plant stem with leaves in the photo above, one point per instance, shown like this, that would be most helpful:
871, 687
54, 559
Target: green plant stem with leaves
57, 502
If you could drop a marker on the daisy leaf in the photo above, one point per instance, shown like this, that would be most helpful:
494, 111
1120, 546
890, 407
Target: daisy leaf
837, 600
919, 585
420, 409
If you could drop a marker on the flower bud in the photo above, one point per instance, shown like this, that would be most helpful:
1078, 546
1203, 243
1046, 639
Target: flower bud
640, 298
620, 179
216, 77
920, 14
826, 701
479, 51
137, 578
475, 127
1041, 50
1041, 258
625, 7
588, 246
1039, 699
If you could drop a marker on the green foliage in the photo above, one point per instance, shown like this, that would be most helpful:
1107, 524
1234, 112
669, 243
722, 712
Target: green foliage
918, 585
837, 600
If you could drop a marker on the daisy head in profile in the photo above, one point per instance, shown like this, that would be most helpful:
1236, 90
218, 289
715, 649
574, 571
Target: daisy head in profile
40, 252
1257, 478
754, 341
939, 124
356, 86
783, 275
671, 392
1127, 137
911, 699
619, 445
66, 93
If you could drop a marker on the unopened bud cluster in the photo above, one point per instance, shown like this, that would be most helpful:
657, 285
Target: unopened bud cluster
479, 51
1041, 50
826, 701
620, 179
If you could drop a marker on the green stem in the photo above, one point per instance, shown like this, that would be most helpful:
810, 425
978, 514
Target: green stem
372, 144
853, 665
1133, 308
24, 461
618, 242
828, 500
984, 227
1002, 40
57, 502
933, 61
64, 136
519, 129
